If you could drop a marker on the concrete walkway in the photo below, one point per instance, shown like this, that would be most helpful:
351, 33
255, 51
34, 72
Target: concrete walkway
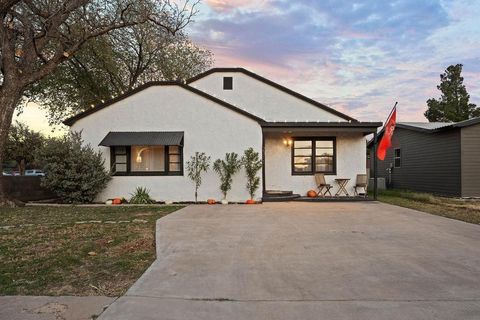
308, 261
52, 308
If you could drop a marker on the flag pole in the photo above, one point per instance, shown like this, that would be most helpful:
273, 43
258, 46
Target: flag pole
390, 114
375, 141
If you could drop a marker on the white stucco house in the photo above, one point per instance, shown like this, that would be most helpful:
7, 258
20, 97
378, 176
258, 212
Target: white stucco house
147, 135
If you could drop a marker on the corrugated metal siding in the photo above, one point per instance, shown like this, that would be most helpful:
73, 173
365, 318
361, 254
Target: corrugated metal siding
471, 161
430, 162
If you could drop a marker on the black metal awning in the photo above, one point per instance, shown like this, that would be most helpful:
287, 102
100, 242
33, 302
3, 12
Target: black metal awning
150, 138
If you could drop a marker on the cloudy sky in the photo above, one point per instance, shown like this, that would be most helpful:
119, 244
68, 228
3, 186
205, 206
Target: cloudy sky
358, 57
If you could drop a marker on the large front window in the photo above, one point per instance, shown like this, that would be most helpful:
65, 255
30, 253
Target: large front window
147, 160
313, 155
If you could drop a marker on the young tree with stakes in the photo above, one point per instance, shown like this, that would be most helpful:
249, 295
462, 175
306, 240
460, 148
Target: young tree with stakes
252, 163
198, 164
226, 169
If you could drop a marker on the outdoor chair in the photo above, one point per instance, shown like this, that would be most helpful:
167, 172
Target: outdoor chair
322, 185
362, 182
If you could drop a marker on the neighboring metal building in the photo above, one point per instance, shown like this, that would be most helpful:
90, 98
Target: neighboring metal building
436, 157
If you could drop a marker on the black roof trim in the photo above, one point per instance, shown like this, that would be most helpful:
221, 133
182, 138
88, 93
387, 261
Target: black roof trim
70, 121
275, 85
314, 124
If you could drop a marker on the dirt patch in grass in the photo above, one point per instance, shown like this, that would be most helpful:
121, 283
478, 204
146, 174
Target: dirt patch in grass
48, 258
467, 210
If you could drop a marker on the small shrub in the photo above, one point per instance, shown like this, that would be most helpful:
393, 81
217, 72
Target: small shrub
73, 171
226, 169
141, 196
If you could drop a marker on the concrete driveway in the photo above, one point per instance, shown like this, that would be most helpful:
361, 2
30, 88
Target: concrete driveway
361, 260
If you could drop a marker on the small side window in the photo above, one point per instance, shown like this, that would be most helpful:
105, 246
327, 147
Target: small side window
227, 83
397, 158
120, 159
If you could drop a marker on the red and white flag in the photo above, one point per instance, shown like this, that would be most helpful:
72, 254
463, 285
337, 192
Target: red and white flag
386, 141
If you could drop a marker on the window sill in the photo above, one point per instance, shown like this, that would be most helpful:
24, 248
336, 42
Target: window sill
147, 174
313, 173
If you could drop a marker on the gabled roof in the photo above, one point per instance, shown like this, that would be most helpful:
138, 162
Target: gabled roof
275, 85
70, 121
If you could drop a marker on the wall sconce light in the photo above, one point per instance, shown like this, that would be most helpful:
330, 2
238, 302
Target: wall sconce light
287, 141
139, 158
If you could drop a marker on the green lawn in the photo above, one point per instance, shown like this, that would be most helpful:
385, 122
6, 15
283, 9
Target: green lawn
460, 209
47, 252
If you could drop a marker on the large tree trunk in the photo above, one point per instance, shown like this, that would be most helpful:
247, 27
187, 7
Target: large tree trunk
9, 99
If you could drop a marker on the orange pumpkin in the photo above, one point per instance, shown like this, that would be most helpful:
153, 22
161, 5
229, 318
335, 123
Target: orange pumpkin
311, 194
211, 201
117, 201
250, 201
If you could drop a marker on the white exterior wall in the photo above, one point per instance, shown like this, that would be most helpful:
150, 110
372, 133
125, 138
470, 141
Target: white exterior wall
351, 160
261, 99
208, 127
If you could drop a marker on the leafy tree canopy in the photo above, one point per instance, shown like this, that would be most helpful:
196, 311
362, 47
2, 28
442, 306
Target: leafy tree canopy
21, 145
453, 105
39, 36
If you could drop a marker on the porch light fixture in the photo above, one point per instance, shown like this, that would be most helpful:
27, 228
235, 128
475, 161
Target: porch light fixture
287, 141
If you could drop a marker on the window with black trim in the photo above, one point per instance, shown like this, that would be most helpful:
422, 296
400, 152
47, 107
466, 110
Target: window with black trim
174, 159
147, 160
227, 83
120, 156
397, 159
314, 155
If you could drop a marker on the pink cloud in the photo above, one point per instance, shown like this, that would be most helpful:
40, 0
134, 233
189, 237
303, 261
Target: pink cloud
229, 5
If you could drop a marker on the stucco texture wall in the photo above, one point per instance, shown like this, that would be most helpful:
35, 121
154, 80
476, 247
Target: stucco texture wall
261, 99
208, 127
351, 160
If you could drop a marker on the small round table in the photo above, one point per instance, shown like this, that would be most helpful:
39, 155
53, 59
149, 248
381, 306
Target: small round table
342, 183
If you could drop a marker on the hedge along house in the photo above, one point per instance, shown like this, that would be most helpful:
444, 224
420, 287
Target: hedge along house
434, 157
147, 135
